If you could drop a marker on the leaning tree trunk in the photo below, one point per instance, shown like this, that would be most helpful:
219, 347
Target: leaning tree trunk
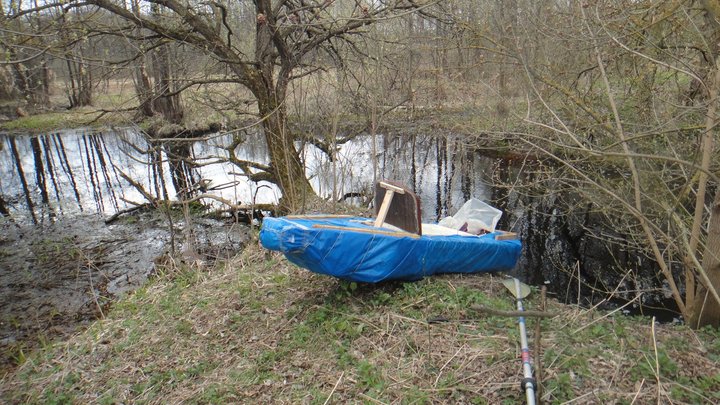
707, 308
287, 169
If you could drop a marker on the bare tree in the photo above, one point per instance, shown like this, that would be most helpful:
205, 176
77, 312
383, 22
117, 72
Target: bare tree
288, 36
24, 43
80, 83
623, 99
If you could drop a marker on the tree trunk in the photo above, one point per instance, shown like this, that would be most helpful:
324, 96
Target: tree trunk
143, 89
141, 80
287, 169
157, 96
183, 173
80, 91
22, 81
707, 308
165, 101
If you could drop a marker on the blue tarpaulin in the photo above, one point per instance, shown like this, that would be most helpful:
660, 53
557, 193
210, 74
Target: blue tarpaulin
352, 249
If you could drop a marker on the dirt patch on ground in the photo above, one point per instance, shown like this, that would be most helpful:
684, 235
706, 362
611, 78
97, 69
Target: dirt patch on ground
56, 278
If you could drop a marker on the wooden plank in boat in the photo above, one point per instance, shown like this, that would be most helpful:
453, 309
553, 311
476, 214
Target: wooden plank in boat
404, 211
368, 230
318, 216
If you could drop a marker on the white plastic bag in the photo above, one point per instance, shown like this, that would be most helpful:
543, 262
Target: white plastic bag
474, 217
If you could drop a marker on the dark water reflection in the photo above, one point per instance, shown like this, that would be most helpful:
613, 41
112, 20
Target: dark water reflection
67, 173
72, 172
76, 171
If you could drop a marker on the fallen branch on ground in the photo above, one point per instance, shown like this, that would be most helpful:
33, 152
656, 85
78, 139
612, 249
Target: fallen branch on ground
498, 312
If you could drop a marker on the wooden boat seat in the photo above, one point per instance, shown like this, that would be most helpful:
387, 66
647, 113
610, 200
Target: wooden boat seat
396, 205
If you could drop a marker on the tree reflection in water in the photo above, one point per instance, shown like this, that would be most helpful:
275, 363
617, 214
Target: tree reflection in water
77, 171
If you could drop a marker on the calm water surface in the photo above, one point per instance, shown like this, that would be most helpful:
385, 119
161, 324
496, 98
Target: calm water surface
73, 172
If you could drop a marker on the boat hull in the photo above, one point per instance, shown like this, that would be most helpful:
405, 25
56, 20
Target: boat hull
351, 249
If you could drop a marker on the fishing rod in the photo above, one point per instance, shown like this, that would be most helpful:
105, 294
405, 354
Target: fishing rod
528, 384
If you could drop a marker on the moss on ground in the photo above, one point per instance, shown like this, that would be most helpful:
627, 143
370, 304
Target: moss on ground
78, 118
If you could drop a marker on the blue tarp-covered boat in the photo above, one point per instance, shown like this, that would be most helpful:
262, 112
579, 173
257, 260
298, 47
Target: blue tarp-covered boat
351, 248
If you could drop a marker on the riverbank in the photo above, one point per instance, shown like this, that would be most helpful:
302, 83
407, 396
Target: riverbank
57, 277
257, 329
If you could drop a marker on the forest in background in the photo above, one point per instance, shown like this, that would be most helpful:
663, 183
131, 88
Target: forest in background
617, 100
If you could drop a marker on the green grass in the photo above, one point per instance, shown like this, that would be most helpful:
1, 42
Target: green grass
259, 330
84, 117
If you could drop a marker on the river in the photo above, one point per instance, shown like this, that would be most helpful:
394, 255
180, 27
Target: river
72, 172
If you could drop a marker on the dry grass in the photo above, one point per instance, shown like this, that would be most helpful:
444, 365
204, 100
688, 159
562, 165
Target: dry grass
114, 104
258, 330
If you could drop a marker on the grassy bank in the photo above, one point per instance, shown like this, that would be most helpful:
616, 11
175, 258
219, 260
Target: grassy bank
79, 118
259, 330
